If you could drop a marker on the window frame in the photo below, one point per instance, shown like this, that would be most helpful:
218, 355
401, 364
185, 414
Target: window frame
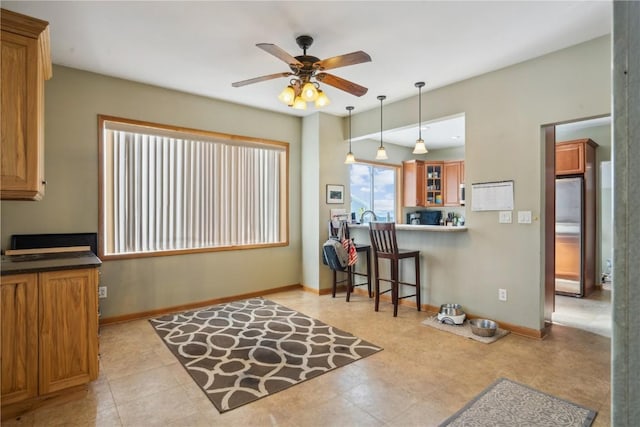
188, 132
398, 180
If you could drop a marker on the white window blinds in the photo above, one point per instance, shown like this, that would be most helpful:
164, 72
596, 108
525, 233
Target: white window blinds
162, 193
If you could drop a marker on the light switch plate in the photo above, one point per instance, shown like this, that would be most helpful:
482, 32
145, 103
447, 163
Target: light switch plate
505, 217
524, 217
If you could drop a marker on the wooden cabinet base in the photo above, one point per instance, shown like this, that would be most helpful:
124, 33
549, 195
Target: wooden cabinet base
52, 399
49, 334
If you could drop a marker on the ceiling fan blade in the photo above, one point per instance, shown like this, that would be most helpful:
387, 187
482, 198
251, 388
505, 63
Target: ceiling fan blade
342, 84
260, 79
279, 53
343, 60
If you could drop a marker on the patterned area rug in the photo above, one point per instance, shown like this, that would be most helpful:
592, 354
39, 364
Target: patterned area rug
507, 403
245, 350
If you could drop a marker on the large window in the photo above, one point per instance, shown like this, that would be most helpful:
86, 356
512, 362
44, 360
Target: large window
167, 190
373, 187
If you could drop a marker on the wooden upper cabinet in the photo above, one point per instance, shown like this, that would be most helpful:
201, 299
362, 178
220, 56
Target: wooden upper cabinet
26, 64
571, 155
413, 183
19, 316
432, 184
453, 179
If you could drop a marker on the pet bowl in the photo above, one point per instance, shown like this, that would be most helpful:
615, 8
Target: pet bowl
483, 327
451, 310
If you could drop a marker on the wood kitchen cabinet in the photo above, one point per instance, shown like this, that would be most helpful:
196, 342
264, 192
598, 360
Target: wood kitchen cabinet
422, 183
19, 331
49, 335
432, 184
26, 64
413, 182
571, 155
68, 308
453, 176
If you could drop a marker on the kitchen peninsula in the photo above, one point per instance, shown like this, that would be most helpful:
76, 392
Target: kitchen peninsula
442, 258
412, 227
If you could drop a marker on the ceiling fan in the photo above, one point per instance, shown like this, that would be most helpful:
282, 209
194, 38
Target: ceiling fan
304, 68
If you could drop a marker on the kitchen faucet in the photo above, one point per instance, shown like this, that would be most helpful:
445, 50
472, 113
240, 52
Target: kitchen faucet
375, 218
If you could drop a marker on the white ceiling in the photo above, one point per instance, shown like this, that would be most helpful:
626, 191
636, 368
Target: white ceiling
446, 132
201, 47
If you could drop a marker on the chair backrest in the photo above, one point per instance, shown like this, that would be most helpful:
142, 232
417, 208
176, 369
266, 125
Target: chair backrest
383, 237
334, 232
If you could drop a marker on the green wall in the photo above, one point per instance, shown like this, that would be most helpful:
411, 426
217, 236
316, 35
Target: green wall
73, 100
504, 111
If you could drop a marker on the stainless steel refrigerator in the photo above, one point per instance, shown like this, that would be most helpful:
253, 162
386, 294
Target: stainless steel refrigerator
569, 236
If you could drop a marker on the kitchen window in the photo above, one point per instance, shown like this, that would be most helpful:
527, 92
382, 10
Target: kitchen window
167, 190
374, 187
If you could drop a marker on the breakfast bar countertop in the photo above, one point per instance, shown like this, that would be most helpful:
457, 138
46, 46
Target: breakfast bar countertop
34, 263
412, 227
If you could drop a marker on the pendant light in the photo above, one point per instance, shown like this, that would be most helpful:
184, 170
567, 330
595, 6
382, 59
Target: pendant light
350, 157
420, 148
382, 153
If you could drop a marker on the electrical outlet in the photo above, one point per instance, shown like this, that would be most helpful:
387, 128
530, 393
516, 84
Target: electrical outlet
505, 217
102, 292
502, 294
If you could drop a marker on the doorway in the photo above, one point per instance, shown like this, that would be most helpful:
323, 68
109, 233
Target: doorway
591, 312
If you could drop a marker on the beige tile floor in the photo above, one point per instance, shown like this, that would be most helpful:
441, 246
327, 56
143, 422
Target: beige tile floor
422, 376
592, 313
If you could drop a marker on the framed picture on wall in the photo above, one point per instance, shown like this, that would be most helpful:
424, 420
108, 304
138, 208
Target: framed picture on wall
335, 193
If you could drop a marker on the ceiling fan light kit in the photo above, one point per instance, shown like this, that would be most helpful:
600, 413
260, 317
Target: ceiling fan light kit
299, 103
420, 147
308, 71
322, 100
288, 95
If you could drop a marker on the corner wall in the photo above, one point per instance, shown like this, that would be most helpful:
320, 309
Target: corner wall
504, 111
73, 100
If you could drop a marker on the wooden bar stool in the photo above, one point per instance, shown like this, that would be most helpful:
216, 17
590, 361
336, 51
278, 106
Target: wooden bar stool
351, 270
385, 246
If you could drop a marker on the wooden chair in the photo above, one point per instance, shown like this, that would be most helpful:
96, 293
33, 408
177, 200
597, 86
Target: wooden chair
385, 246
351, 271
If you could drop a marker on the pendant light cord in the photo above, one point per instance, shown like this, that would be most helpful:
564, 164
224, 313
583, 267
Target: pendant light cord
419, 85
381, 98
350, 108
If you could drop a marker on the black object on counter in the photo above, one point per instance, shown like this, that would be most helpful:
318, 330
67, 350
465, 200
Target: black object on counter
431, 217
57, 240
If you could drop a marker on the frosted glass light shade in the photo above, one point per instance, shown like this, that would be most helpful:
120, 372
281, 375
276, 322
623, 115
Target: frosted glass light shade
299, 104
381, 154
287, 95
350, 158
420, 148
322, 100
309, 92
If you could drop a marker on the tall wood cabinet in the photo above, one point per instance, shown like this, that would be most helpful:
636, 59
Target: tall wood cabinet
49, 333
26, 64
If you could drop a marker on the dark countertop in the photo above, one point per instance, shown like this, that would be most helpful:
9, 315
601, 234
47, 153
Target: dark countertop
19, 264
